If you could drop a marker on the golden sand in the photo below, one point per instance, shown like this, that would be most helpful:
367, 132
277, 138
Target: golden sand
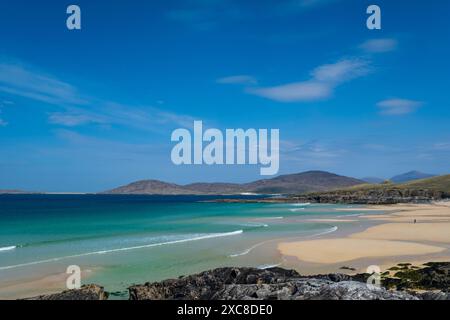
417, 232
346, 249
399, 238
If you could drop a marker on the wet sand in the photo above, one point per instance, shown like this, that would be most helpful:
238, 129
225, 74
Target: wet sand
37, 286
404, 233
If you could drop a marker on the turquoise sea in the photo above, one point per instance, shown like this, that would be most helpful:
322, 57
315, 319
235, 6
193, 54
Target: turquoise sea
120, 240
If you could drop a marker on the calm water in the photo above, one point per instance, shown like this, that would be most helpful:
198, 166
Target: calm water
121, 240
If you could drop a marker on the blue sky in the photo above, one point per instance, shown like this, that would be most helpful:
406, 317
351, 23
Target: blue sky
92, 109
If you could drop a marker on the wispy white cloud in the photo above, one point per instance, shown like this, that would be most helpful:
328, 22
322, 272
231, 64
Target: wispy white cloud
398, 106
313, 153
444, 146
77, 109
144, 118
324, 79
23, 81
165, 117
4, 103
295, 92
72, 119
341, 71
379, 45
238, 79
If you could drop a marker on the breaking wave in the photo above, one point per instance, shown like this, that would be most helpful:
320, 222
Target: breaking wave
188, 239
296, 209
301, 204
7, 248
330, 230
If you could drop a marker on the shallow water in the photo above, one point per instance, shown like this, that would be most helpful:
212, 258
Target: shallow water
134, 239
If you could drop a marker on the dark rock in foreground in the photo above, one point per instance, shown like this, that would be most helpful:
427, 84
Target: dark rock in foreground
433, 281
433, 276
310, 289
86, 292
270, 284
205, 285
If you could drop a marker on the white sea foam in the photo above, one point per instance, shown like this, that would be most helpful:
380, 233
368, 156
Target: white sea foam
301, 204
268, 266
243, 253
271, 218
330, 230
7, 248
254, 225
194, 238
350, 215
247, 251
296, 209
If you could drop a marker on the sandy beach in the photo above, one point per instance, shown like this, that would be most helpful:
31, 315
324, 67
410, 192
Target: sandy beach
413, 233
366, 236
37, 286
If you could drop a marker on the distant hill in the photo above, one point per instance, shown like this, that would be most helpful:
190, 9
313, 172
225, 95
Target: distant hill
439, 183
373, 180
410, 176
435, 188
214, 188
151, 187
288, 184
302, 182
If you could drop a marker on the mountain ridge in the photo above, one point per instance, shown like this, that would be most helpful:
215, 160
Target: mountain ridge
411, 176
308, 181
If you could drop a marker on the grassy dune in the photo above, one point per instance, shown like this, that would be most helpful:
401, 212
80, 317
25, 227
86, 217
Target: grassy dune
439, 183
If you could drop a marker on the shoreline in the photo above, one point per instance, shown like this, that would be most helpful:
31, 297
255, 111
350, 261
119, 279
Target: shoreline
393, 238
36, 286
368, 241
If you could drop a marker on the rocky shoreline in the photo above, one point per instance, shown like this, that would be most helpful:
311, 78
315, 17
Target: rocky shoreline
376, 196
402, 282
365, 197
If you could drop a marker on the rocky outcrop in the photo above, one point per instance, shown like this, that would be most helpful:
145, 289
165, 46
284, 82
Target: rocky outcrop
434, 295
309, 289
203, 286
86, 292
433, 276
399, 283
270, 284
375, 196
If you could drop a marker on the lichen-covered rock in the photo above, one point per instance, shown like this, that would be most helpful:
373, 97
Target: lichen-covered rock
435, 295
310, 289
204, 285
86, 292
270, 284
432, 276
386, 195
280, 284
352, 290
